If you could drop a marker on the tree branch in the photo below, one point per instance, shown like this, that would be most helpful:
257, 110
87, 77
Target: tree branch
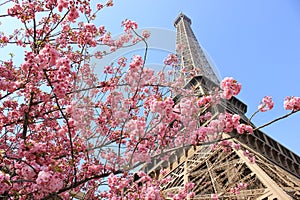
275, 120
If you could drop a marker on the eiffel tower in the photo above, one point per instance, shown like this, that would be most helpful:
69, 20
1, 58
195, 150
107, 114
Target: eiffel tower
274, 176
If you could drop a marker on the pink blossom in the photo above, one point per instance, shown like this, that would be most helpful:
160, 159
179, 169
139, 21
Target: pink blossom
98, 55
109, 3
3, 40
250, 156
204, 100
214, 197
266, 104
171, 60
129, 25
236, 146
136, 62
292, 103
28, 172
153, 193
122, 61
108, 69
205, 117
136, 40
62, 4
4, 182
230, 87
43, 178
56, 183
99, 6
242, 128
146, 34
73, 14
101, 30
230, 121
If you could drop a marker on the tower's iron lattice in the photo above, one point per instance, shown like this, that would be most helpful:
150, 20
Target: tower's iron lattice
274, 175
193, 59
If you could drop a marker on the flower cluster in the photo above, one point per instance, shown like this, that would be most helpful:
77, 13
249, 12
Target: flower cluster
122, 61
3, 40
136, 62
250, 156
204, 100
129, 25
242, 128
61, 4
230, 87
266, 104
214, 197
49, 182
238, 188
171, 60
227, 122
4, 182
292, 103
146, 34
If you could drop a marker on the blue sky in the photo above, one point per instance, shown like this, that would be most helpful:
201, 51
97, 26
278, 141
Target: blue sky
257, 42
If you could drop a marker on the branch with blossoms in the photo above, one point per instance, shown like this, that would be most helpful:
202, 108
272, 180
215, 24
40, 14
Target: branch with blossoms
45, 66
290, 103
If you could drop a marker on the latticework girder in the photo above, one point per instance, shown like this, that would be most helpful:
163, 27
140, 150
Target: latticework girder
218, 172
193, 60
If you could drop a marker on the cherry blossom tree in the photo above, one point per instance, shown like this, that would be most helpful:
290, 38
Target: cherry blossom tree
65, 130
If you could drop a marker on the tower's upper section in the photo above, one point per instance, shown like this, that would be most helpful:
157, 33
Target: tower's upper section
180, 17
193, 60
